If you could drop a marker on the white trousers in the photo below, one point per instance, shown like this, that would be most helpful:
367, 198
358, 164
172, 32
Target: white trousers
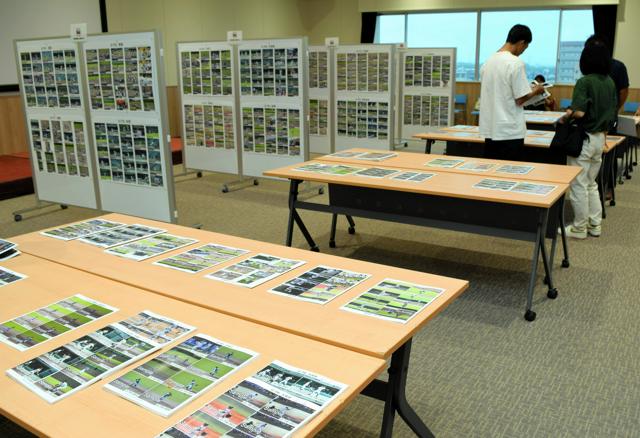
583, 193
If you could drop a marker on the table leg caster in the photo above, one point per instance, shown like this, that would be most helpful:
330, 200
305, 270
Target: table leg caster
530, 315
199, 175
321, 191
17, 217
628, 176
64, 207
552, 293
255, 182
545, 280
612, 203
352, 230
565, 263
332, 244
225, 189
315, 248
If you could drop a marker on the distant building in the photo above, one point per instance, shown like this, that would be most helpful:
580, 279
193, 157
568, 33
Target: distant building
569, 61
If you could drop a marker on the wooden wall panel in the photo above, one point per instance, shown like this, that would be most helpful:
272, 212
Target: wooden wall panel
13, 134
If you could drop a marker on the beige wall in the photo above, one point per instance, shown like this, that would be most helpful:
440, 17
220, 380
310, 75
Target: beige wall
628, 37
331, 18
426, 5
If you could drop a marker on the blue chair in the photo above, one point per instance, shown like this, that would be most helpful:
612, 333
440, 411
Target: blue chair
564, 103
631, 107
461, 99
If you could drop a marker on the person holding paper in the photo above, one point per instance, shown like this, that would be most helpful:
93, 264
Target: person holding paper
504, 89
594, 102
548, 103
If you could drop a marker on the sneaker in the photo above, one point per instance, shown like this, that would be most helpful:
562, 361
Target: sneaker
570, 231
594, 230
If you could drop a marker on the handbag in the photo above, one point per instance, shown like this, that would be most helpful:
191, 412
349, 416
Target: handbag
569, 137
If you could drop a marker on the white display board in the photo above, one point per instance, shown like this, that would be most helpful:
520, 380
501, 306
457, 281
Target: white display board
426, 90
364, 96
52, 92
273, 104
125, 84
209, 132
320, 99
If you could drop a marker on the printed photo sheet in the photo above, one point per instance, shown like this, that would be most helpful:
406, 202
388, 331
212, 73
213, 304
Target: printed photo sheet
169, 381
255, 270
514, 169
8, 276
275, 402
468, 128
42, 324
533, 189
375, 156
413, 176
320, 284
7, 250
446, 163
81, 229
80, 363
476, 166
150, 246
495, 184
201, 258
539, 140
393, 300
376, 172
346, 154
119, 236
329, 169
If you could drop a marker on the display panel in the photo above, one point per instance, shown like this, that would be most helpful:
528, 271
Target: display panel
320, 92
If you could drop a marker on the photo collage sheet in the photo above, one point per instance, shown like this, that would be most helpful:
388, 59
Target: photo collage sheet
318, 91
275, 402
206, 79
59, 145
8, 250
271, 95
363, 70
363, 118
427, 91
87, 359
125, 109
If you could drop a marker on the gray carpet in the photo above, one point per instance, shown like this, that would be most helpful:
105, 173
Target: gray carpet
478, 369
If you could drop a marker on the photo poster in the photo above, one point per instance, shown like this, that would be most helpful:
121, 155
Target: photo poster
364, 89
129, 125
52, 93
206, 72
426, 82
320, 99
273, 104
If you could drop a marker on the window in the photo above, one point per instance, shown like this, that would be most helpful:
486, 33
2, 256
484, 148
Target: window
558, 38
540, 57
390, 29
447, 30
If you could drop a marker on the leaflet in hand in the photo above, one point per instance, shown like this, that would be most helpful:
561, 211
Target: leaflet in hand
255, 270
150, 246
169, 381
48, 322
275, 402
393, 300
80, 363
8, 276
201, 258
121, 235
81, 229
320, 285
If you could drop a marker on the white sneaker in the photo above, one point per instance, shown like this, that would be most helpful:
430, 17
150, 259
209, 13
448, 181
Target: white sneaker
570, 231
594, 230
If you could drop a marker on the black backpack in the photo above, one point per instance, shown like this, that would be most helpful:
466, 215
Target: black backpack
569, 137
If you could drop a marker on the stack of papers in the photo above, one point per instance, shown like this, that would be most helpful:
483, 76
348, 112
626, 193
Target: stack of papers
8, 250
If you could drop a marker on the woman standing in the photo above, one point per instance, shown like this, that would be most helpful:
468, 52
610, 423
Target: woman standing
594, 102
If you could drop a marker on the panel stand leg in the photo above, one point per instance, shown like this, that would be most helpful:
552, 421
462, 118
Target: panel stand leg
239, 184
17, 215
295, 217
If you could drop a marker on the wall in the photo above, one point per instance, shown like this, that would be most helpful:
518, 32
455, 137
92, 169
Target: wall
627, 38
13, 134
331, 18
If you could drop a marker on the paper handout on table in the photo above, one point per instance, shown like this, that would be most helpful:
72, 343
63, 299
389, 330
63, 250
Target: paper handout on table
8, 250
533, 189
514, 169
375, 156
413, 176
495, 184
476, 166
169, 381
255, 270
275, 402
446, 163
81, 229
320, 284
393, 300
40, 325
151, 246
346, 154
121, 235
82, 362
8, 276
201, 258
376, 172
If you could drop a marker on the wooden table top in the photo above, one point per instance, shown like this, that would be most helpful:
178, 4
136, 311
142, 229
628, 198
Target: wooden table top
326, 323
542, 117
96, 412
453, 185
548, 173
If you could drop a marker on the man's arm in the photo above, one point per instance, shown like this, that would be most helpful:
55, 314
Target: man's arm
622, 98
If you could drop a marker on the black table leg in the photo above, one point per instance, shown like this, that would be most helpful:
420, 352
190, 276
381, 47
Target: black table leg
563, 233
552, 292
614, 163
427, 146
393, 394
332, 238
295, 217
529, 314
352, 225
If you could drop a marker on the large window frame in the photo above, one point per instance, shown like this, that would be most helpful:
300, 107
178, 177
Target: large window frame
479, 13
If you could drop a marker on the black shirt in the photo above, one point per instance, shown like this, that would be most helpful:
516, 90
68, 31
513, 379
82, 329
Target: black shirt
619, 75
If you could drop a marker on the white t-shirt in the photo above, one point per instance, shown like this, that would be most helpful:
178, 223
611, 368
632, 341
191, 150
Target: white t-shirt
503, 80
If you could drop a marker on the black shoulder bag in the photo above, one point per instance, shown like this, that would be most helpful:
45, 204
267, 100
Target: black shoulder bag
569, 137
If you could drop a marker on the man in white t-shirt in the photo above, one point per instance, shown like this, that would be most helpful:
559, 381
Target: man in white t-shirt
504, 90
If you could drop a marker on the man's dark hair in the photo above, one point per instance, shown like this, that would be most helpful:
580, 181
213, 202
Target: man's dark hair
599, 40
595, 58
540, 78
519, 32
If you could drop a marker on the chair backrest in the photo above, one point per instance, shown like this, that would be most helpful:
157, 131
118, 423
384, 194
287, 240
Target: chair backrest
564, 103
631, 107
461, 99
